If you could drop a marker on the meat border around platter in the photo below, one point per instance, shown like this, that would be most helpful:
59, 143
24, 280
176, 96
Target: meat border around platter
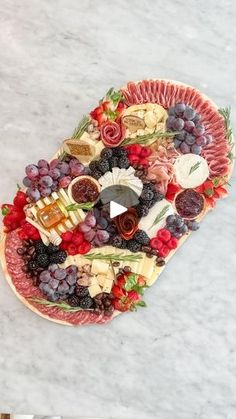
67, 318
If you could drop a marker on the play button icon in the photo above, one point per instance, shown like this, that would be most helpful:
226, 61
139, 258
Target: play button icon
116, 209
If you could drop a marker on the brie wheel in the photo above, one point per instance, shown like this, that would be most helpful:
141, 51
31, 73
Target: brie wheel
191, 170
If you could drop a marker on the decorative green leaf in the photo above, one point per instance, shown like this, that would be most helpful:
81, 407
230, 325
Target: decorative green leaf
5, 211
85, 206
111, 115
18, 187
194, 167
149, 138
114, 257
160, 216
141, 304
81, 128
131, 282
225, 112
62, 156
114, 96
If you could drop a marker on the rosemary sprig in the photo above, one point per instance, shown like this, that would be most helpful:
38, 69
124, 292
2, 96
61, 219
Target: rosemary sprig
63, 306
225, 112
86, 206
194, 167
62, 155
160, 216
149, 138
81, 128
113, 256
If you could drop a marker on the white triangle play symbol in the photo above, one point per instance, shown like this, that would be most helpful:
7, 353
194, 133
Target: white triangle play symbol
116, 209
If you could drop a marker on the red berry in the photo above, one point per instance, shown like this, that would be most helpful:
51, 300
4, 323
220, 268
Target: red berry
133, 159
78, 238
144, 162
141, 281
135, 149
20, 199
35, 236
118, 292
164, 235
121, 280
134, 296
156, 243
172, 243
72, 249
84, 247
164, 251
67, 236
64, 245
6, 209
23, 235
145, 152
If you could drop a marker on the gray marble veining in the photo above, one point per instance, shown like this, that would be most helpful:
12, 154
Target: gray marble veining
176, 359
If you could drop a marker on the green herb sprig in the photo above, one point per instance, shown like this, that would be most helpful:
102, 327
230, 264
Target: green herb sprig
85, 206
114, 95
194, 167
225, 112
160, 216
149, 138
113, 256
62, 305
81, 128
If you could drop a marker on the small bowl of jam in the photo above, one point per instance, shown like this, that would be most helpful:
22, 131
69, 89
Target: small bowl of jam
189, 204
84, 189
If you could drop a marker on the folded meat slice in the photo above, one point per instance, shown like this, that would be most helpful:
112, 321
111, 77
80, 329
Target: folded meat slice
161, 169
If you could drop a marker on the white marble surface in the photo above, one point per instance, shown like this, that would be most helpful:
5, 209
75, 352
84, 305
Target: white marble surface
176, 359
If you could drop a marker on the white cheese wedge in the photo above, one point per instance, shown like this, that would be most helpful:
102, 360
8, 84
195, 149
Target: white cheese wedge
94, 290
101, 279
99, 267
107, 286
146, 267
191, 170
148, 224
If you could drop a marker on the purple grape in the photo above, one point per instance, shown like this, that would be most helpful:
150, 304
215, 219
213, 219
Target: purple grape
170, 122
90, 235
97, 242
189, 126
45, 191
171, 111
177, 143
60, 274
180, 108
170, 219
177, 235
181, 136
189, 113
102, 236
97, 213
55, 186
178, 124
202, 141
84, 228
27, 182
52, 267
197, 118
184, 148
54, 173
196, 149
190, 139
53, 283
64, 182
45, 276
64, 168
43, 171
46, 181
199, 130
53, 164
102, 223
63, 287
43, 163
32, 171
90, 220
76, 168
192, 225
71, 279
72, 270
33, 194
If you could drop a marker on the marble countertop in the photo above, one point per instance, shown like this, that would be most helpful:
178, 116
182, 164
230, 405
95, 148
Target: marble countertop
176, 359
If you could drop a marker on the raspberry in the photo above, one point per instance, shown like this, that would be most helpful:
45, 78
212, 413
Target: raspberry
78, 238
144, 162
133, 159
72, 249
135, 149
164, 251
23, 235
172, 243
64, 245
156, 243
84, 247
145, 152
164, 235
67, 237
35, 236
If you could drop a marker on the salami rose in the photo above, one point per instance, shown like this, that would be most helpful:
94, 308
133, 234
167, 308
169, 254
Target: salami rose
112, 133
127, 223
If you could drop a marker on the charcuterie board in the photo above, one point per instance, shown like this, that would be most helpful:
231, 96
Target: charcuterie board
90, 230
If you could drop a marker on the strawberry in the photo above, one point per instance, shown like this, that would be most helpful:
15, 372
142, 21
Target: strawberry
105, 106
67, 236
121, 305
156, 243
77, 238
164, 251
134, 296
84, 247
164, 235
120, 107
141, 281
145, 152
72, 249
20, 199
172, 243
133, 159
118, 292
6, 209
172, 190
121, 280
101, 118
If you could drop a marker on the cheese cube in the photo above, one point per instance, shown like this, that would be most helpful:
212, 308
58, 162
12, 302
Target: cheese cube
99, 267
107, 286
101, 279
94, 290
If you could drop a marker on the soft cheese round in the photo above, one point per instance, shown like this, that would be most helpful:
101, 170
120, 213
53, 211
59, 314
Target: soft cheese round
191, 170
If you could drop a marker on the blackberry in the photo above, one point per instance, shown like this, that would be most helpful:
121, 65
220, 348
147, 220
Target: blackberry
114, 162
147, 195
86, 302
106, 153
142, 210
40, 247
147, 204
141, 237
52, 248
117, 241
103, 166
157, 196
134, 246
58, 257
81, 291
42, 260
73, 301
96, 174
93, 165
120, 152
124, 163
32, 265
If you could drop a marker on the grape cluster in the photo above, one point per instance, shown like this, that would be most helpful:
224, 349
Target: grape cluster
57, 283
103, 304
46, 177
176, 225
94, 227
187, 121
110, 157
